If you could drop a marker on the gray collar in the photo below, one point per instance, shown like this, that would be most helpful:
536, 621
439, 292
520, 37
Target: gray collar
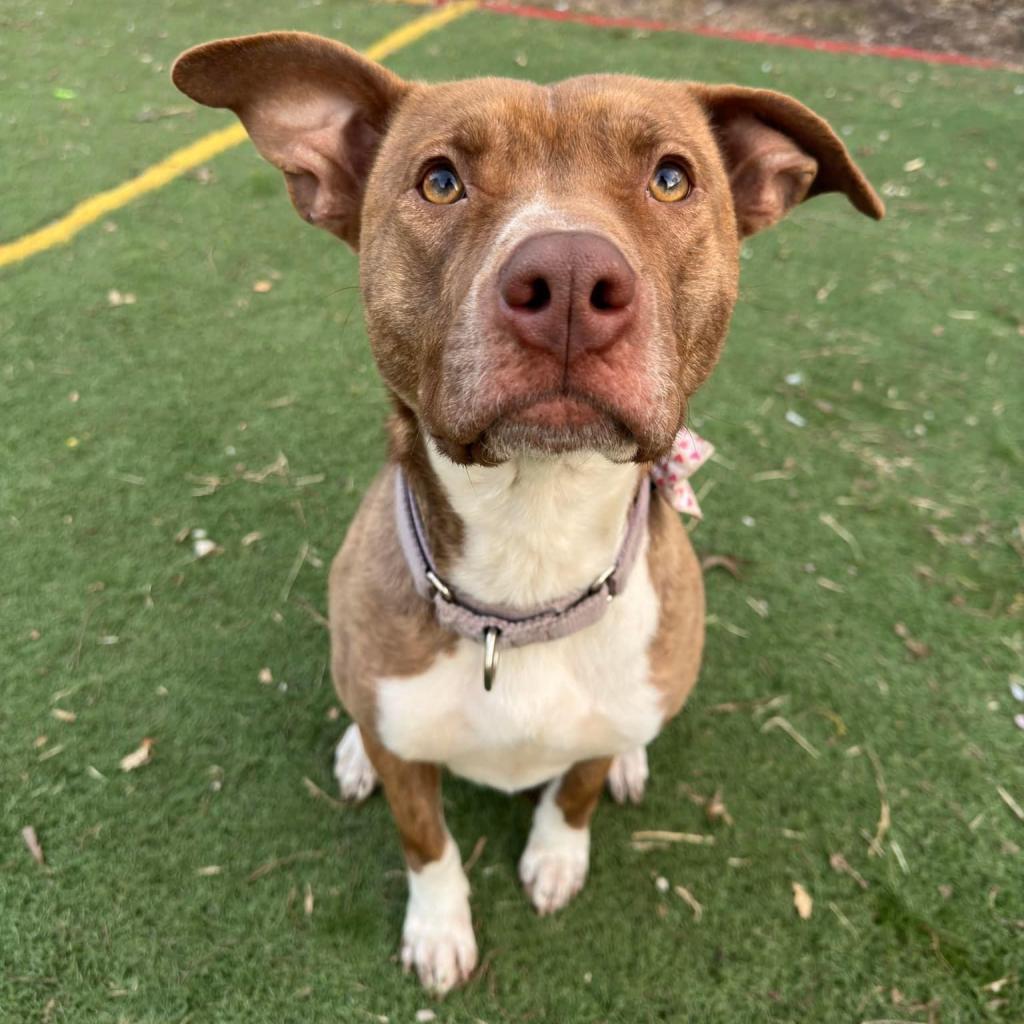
497, 626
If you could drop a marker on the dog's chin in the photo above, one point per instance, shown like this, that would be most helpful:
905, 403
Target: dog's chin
557, 426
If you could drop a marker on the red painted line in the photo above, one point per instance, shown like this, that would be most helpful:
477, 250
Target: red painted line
763, 38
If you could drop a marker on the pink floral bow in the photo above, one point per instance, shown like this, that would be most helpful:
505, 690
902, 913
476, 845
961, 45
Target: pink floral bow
671, 472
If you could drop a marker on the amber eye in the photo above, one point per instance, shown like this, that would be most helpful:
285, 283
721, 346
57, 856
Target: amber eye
441, 185
669, 183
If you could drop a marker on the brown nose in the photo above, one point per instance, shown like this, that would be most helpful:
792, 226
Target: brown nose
567, 292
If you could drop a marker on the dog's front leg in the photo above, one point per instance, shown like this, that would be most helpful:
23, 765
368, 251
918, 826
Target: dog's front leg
554, 864
437, 937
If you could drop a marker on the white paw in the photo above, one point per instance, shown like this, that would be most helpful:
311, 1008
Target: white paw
554, 864
627, 777
441, 949
552, 877
437, 938
356, 776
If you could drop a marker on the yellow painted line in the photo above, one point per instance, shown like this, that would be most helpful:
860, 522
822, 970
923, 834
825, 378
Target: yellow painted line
181, 160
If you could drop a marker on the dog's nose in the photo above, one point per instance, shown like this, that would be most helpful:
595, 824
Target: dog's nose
567, 292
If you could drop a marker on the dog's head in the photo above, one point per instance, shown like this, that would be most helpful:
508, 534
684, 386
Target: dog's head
544, 268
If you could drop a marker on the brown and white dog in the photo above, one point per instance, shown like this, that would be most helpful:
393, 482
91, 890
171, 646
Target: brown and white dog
548, 275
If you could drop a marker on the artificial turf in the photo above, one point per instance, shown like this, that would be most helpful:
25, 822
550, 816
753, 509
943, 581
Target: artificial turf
898, 345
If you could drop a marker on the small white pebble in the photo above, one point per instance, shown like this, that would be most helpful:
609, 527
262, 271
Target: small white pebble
661, 884
203, 547
793, 379
748, 521
1017, 687
198, 534
423, 1016
794, 418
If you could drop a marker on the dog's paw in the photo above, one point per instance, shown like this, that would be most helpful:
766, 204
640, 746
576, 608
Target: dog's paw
552, 876
441, 949
356, 776
627, 777
554, 864
437, 938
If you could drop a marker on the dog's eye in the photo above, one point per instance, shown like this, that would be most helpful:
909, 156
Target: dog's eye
669, 183
441, 185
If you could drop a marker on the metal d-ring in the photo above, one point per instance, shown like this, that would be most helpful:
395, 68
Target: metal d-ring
491, 655
439, 585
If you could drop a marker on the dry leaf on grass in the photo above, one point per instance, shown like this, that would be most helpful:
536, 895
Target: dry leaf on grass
209, 870
802, 901
266, 677
251, 538
715, 809
998, 985
917, 648
28, 834
307, 900
64, 716
138, 757
727, 562
262, 287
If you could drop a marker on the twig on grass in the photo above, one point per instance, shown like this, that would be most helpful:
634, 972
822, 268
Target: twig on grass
778, 722
293, 573
318, 794
28, 834
660, 836
311, 611
280, 862
76, 654
1011, 803
875, 848
843, 919
842, 533
690, 900
478, 849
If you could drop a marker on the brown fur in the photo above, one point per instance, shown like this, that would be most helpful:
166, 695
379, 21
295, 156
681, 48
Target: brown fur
677, 579
413, 791
379, 625
580, 789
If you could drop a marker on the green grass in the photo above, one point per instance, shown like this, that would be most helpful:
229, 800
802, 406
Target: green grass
908, 341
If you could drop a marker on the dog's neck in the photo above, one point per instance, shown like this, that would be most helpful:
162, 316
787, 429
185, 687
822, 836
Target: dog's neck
531, 529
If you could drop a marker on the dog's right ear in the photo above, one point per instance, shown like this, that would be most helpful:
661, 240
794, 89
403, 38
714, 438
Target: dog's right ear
314, 108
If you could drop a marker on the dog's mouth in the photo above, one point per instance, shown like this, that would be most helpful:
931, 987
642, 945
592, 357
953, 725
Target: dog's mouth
556, 423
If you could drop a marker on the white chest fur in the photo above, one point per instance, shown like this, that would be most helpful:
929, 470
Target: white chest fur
535, 529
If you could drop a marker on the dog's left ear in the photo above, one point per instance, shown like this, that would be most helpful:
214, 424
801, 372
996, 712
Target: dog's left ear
777, 153
314, 108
